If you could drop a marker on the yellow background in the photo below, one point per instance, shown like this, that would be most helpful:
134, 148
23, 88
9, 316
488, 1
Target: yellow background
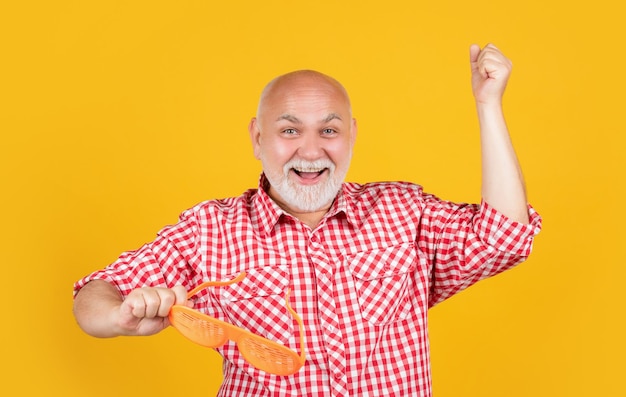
117, 115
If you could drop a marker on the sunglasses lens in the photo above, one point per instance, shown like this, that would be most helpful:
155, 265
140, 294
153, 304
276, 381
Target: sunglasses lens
198, 330
210, 332
277, 359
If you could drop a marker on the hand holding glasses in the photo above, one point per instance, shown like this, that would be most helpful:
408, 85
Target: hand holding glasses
262, 353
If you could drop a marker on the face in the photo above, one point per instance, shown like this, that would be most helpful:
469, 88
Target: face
304, 134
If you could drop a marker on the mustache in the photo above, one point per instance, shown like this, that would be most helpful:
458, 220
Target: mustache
301, 164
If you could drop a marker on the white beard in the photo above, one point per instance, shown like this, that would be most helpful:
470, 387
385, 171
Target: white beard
307, 198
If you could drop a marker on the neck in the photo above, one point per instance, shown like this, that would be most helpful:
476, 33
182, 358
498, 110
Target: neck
309, 218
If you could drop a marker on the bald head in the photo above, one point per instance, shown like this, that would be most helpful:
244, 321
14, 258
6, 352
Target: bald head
283, 87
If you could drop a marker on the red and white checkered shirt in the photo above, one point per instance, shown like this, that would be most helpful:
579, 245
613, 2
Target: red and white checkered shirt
362, 281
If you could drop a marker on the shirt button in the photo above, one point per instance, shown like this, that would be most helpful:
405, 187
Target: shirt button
338, 375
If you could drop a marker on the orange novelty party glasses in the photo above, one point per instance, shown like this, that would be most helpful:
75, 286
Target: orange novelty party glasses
261, 352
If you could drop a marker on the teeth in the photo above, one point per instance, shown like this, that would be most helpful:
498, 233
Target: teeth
309, 169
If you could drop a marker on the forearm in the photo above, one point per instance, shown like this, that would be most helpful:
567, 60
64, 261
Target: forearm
94, 309
502, 180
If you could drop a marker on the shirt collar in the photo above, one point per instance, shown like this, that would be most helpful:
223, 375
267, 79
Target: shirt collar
346, 203
269, 213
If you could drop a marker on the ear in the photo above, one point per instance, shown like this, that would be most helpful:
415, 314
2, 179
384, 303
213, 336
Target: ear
353, 131
255, 137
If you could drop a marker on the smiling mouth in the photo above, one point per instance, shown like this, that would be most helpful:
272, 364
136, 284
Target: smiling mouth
309, 173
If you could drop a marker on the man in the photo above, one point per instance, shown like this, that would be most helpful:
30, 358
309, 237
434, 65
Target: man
363, 263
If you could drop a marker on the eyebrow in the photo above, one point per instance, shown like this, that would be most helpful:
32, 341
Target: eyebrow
289, 117
294, 119
332, 116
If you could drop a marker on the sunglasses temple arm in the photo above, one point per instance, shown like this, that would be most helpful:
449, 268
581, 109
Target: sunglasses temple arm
299, 320
206, 284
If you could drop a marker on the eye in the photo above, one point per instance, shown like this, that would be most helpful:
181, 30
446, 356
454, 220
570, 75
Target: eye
328, 131
290, 131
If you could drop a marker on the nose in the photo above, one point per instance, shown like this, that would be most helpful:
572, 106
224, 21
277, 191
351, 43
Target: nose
311, 146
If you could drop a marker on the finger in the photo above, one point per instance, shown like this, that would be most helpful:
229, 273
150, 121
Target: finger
490, 66
477, 53
496, 66
167, 298
181, 294
491, 46
152, 299
135, 304
170, 297
474, 53
128, 308
492, 52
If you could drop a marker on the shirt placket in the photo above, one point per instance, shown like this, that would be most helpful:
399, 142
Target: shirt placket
329, 320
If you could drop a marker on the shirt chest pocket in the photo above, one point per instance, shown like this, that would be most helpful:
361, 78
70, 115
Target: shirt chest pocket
383, 281
257, 303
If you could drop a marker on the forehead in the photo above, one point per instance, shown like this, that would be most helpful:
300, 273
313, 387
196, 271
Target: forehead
304, 93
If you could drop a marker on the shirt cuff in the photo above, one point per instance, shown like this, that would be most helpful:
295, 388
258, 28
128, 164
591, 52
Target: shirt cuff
97, 275
505, 234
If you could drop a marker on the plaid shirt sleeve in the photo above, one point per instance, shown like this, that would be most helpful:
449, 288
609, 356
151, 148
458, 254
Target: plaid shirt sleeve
467, 243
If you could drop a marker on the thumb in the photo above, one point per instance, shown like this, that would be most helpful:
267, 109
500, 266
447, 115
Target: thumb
474, 53
181, 295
